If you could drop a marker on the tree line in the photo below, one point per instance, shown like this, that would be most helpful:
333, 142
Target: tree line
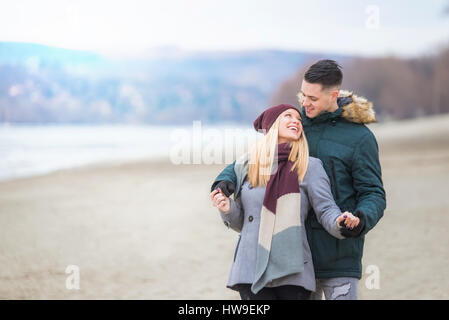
399, 88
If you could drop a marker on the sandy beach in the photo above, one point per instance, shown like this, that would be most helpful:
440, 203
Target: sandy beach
147, 230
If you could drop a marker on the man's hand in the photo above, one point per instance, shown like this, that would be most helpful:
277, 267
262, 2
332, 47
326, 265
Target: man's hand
220, 201
227, 187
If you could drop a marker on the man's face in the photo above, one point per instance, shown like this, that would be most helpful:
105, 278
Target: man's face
315, 100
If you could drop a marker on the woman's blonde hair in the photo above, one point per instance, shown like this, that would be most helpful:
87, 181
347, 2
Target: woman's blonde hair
262, 156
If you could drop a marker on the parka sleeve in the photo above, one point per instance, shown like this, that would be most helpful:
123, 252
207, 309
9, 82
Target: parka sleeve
228, 174
367, 179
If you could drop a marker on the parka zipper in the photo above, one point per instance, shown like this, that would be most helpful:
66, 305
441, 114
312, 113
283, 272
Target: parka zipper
334, 177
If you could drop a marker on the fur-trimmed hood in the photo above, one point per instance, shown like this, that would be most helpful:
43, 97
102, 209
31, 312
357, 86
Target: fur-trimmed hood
353, 108
356, 109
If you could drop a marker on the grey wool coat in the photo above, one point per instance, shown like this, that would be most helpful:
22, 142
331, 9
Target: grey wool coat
244, 217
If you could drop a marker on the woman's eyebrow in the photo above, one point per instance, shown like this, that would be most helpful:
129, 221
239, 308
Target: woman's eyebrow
299, 117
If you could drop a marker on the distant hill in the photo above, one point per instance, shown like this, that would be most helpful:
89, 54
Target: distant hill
399, 88
16, 53
43, 84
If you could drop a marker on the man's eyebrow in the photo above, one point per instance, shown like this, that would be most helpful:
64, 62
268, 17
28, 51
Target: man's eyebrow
307, 95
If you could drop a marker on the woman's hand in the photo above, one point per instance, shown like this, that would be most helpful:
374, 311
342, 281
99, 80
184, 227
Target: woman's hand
348, 219
220, 201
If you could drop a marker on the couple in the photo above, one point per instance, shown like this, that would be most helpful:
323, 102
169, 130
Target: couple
295, 242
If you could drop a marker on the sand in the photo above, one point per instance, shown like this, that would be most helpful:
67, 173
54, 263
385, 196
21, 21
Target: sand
147, 230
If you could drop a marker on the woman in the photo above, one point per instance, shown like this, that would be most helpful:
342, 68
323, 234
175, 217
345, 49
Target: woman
277, 184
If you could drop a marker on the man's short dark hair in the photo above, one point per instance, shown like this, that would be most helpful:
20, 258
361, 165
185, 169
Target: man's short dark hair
326, 72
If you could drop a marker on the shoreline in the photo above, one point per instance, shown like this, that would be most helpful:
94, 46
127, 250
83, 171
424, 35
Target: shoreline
90, 166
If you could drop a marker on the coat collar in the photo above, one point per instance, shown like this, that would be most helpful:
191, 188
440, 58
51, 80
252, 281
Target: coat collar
350, 107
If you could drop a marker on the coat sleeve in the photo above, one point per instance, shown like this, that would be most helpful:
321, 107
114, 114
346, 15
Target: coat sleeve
228, 174
321, 199
367, 180
234, 217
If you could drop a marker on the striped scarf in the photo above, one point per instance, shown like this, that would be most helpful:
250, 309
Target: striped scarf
279, 250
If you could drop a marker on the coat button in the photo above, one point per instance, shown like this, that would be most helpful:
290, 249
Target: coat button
250, 218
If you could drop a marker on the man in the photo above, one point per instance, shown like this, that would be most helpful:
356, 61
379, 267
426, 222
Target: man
334, 123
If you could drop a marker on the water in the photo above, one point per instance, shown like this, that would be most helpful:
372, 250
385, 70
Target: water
27, 150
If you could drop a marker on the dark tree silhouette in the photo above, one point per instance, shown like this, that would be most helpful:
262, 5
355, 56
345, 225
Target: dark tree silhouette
399, 88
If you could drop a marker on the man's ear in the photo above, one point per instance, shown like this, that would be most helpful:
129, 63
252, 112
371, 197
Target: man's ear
334, 95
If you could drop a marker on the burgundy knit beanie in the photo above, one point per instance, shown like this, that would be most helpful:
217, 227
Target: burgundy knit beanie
269, 116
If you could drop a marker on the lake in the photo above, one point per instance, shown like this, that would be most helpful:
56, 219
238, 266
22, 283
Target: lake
27, 150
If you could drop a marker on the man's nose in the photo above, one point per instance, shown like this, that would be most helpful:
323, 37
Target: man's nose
306, 102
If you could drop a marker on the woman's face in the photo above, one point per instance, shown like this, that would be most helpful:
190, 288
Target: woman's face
290, 126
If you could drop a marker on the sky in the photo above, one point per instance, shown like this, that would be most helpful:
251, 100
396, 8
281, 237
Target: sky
135, 27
